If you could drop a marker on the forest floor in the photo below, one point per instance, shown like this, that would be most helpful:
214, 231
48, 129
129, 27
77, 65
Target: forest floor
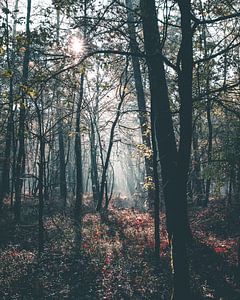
117, 257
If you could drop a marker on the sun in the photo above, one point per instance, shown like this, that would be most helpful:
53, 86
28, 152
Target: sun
76, 46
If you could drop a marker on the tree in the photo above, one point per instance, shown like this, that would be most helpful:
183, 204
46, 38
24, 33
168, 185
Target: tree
143, 119
20, 162
122, 95
174, 164
5, 176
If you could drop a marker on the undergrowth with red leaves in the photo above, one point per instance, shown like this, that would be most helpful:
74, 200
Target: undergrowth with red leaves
117, 257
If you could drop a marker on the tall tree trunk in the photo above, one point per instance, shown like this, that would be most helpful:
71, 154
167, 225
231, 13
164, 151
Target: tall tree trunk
41, 172
196, 172
157, 193
94, 167
10, 125
62, 164
14, 150
5, 178
20, 162
181, 275
174, 164
94, 117
209, 150
209, 120
231, 178
143, 119
186, 104
79, 172
78, 154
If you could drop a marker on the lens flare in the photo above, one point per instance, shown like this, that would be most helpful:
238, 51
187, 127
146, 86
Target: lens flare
76, 46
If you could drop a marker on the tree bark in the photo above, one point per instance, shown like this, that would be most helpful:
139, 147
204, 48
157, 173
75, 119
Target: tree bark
78, 154
5, 179
79, 173
41, 172
94, 167
209, 120
186, 104
209, 150
174, 164
62, 164
143, 119
196, 172
20, 162
157, 194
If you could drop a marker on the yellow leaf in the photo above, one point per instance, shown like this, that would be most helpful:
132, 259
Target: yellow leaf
2, 51
32, 93
72, 134
5, 94
22, 105
7, 74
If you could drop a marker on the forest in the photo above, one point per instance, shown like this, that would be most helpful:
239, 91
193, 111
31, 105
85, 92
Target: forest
120, 149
